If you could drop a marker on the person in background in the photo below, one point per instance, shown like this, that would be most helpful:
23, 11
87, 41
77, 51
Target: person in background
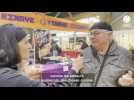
55, 49
110, 64
131, 50
43, 51
83, 48
83, 44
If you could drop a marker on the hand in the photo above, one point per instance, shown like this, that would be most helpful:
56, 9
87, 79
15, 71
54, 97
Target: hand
78, 64
126, 80
45, 50
60, 58
33, 73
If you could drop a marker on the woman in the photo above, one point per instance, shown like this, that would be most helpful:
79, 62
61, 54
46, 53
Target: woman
14, 50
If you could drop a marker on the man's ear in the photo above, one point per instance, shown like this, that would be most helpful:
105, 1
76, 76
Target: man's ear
111, 33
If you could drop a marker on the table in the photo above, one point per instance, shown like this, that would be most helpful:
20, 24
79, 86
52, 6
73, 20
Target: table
71, 54
54, 72
49, 60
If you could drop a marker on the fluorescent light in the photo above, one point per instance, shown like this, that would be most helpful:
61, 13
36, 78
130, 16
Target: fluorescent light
89, 20
85, 20
94, 20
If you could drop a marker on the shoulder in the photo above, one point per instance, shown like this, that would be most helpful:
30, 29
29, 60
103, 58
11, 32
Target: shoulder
124, 57
118, 50
88, 49
12, 78
123, 51
7, 71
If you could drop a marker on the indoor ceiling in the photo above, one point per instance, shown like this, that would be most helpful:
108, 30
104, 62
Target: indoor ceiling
62, 14
111, 17
78, 15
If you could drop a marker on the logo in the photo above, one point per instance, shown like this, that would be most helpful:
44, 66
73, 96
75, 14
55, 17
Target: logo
43, 21
12, 17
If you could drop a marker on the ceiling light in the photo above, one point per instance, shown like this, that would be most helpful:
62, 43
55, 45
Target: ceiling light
126, 19
89, 20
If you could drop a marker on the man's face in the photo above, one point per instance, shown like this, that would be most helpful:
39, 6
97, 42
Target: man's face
99, 37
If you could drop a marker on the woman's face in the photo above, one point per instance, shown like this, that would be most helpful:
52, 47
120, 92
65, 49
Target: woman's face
24, 47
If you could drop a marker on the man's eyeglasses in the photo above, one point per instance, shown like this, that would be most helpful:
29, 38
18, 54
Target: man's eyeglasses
95, 33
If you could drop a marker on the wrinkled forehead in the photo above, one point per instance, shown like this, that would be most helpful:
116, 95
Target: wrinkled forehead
99, 30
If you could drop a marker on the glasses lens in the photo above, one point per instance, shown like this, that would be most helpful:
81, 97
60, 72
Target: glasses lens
95, 33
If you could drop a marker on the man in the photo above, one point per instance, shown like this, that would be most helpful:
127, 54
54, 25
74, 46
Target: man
55, 49
107, 63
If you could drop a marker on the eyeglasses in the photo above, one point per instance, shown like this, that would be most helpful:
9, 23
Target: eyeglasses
95, 33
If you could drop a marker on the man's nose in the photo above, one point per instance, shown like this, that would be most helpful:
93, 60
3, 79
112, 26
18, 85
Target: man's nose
91, 36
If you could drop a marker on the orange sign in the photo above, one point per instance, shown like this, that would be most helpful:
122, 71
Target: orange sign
67, 25
23, 19
40, 21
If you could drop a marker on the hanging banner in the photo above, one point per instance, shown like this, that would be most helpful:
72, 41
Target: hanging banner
37, 20
23, 19
67, 25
